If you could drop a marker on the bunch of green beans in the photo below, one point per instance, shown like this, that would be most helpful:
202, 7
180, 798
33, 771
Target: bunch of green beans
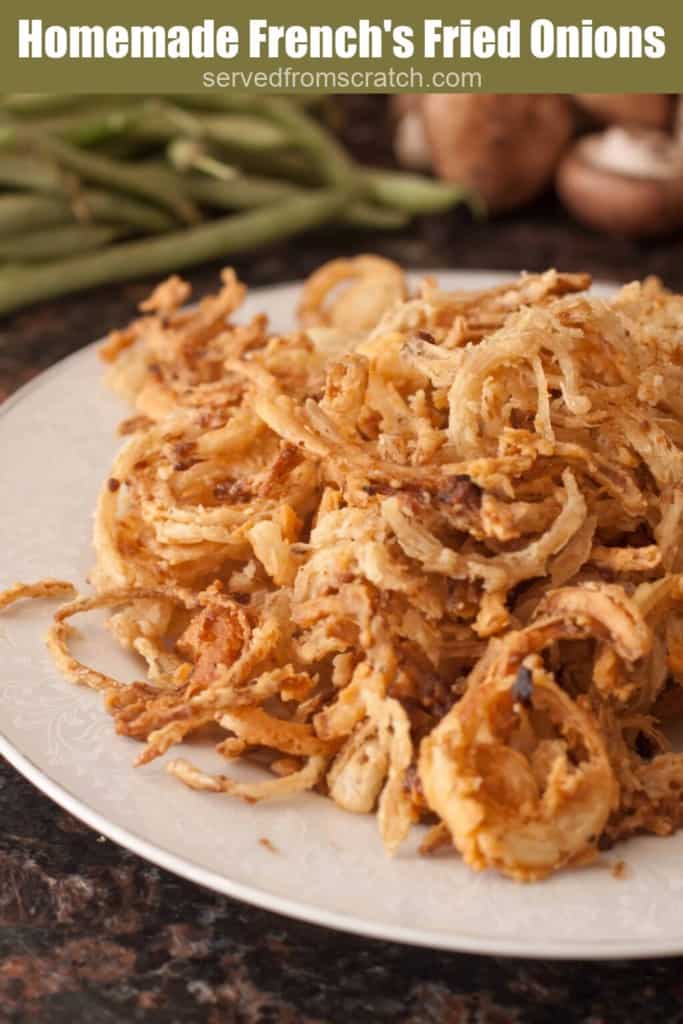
95, 191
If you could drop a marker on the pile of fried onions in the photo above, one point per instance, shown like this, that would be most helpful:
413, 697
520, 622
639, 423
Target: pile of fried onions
423, 555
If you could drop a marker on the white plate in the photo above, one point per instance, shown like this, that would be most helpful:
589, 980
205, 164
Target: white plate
56, 443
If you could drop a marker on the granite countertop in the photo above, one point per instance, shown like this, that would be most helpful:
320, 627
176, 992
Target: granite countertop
90, 932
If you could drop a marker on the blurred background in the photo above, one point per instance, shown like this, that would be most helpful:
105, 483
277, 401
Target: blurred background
101, 195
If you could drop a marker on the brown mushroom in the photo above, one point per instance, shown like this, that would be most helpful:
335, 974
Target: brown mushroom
651, 110
503, 147
625, 182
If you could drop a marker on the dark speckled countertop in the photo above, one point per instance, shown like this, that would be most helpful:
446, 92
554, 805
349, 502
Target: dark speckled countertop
90, 932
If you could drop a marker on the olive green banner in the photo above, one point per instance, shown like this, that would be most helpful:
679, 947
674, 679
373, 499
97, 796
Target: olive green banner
305, 46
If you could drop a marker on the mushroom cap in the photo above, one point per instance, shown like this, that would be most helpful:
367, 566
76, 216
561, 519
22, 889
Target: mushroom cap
503, 147
624, 182
651, 110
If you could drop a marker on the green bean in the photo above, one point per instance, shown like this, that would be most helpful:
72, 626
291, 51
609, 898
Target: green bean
288, 165
59, 241
161, 121
238, 131
27, 172
241, 193
245, 193
28, 211
89, 127
370, 216
191, 155
330, 160
159, 188
413, 193
102, 121
243, 131
20, 286
98, 205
